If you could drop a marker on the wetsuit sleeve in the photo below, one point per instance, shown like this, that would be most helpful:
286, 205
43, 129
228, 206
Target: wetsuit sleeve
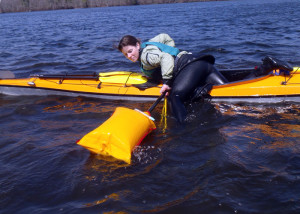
167, 65
163, 38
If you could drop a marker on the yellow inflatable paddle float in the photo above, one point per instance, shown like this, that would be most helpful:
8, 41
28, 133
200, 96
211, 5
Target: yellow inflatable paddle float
118, 136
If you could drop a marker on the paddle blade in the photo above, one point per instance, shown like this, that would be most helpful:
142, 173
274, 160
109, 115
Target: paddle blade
119, 135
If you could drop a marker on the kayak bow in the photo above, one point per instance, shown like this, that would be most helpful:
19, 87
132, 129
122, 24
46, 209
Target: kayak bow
122, 85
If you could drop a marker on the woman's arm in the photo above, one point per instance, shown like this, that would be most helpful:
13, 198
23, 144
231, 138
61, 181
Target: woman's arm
163, 38
159, 59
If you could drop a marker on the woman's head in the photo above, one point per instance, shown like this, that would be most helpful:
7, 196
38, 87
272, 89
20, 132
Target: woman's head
130, 47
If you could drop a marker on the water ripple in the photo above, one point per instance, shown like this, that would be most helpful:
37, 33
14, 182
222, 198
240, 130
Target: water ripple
229, 158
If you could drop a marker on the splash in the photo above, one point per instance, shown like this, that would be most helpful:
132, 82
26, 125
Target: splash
146, 154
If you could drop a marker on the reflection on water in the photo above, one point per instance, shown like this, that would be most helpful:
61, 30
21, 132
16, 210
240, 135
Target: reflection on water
114, 197
81, 105
279, 130
113, 170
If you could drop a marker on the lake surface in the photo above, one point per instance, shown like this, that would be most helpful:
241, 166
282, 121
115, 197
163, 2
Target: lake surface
228, 158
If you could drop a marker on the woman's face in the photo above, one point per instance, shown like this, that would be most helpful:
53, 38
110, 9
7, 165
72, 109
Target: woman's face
132, 52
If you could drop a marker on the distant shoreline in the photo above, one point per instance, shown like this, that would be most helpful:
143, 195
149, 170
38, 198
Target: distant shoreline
12, 6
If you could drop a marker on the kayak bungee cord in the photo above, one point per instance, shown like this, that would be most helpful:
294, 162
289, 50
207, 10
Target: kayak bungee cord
127, 79
291, 75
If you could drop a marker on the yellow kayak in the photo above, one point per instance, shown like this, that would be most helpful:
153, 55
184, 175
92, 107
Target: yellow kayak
125, 85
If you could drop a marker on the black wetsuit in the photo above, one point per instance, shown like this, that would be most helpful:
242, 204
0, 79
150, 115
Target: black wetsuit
191, 72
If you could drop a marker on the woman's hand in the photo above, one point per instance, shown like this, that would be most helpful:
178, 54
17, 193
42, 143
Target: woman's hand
165, 88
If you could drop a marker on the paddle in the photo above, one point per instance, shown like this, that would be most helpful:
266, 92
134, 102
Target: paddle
156, 102
7, 75
121, 133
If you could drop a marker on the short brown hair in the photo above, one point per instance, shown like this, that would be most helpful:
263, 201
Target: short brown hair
127, 40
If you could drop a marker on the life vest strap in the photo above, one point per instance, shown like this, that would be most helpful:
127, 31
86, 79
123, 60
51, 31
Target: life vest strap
163, 47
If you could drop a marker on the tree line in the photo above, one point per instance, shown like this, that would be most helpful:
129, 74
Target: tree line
8, 6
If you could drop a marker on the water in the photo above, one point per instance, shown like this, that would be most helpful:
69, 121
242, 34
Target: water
229, 158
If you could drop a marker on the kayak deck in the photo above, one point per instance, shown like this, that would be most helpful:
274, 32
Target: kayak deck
270, 88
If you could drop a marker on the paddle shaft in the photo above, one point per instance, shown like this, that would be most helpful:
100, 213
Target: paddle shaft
156, 102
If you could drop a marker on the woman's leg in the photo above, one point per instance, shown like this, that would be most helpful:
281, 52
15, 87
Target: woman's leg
215, 77
192, 76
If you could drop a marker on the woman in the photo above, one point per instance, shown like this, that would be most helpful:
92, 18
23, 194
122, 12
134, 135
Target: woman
181, 72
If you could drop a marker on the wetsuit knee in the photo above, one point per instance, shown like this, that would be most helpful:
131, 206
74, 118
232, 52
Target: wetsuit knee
215, 77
